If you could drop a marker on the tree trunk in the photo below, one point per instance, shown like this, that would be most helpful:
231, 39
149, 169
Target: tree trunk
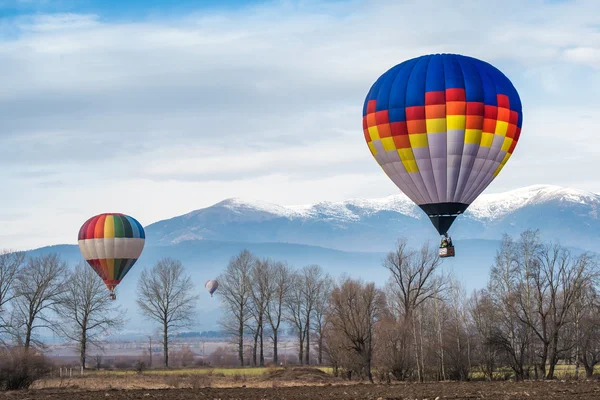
307, 351
82, 349
369, 369
166, 345
589, 371
275, 355
241, 343
416, 347
254, 348
543, 360
300, 347
320, 344
28, 337
262, 352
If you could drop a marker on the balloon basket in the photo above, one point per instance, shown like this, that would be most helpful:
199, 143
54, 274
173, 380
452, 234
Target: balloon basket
112, 296
447, 251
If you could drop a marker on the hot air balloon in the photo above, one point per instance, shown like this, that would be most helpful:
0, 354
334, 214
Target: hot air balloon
442, 127
211, 286
111, 243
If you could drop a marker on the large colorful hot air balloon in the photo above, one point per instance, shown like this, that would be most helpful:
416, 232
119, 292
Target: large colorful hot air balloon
442, 127
111, 243
211, 286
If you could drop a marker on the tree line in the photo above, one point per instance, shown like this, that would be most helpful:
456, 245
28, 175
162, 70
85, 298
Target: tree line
259, 296
540, 307
40, 293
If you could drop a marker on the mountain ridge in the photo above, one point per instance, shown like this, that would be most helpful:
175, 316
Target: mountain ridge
240, 219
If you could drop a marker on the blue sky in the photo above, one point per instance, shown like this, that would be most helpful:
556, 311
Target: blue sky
154, 110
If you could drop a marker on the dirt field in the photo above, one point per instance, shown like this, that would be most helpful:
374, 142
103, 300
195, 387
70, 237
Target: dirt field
286, 384
431, 391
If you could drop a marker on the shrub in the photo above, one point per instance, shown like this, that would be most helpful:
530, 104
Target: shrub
199, 381
20, 368
140, 366
237, 377
173, 381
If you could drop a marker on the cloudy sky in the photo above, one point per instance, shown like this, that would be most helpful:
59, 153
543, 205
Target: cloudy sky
155, 110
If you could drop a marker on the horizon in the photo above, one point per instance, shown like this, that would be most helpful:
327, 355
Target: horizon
299, 207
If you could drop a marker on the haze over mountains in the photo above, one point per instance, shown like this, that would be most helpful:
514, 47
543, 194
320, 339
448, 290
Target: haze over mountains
351, 237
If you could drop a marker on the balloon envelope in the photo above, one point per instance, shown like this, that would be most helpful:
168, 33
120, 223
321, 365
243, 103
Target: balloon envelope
111, 243
211, 286
442, 127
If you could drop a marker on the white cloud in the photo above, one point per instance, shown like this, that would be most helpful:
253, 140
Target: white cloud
157, 117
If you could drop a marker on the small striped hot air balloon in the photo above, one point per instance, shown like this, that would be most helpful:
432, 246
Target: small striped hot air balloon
211, 286
111, 243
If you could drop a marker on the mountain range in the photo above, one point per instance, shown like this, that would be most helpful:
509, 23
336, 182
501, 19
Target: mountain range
351, 237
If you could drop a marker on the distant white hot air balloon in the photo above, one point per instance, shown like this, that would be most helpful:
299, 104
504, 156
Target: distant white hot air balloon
211, 286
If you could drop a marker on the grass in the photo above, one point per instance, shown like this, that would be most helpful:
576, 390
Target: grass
248, 371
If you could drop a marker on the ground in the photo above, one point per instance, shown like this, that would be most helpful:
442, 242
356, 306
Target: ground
432, 391
288, 384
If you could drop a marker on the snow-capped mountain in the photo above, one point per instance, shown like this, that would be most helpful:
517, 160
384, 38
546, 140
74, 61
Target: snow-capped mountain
568, 215
351, 237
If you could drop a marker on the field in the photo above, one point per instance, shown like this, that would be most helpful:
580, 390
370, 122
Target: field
290, 384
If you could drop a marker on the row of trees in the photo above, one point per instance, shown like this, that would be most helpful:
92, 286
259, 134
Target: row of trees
43, 293
259, 296
539, 308
38, 293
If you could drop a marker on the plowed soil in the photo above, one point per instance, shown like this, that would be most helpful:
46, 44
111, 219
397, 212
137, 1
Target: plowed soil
447, 390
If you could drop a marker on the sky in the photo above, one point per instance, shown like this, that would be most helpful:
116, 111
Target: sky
155, 110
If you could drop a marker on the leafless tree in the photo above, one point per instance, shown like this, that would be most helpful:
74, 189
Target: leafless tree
312, 280
587, 334
320, 310
295, 311
165, 296
37, 289
306, 286
557, 280
85, 310
485, 316
235, 293
509, 335
279, 285
261, 296
354, 309
10, 265
413, 282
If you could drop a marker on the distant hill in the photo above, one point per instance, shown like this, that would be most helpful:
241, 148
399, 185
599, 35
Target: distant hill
573, 216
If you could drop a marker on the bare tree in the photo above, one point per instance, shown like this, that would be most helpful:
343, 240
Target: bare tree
320, 309
295, 311
260, 295
37, 288
312, 281
557, 280
279, 285
413, 282
588, 332
355, 307
485, 317
235, 294
509, 334
86, 311
10, 265
165, 296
